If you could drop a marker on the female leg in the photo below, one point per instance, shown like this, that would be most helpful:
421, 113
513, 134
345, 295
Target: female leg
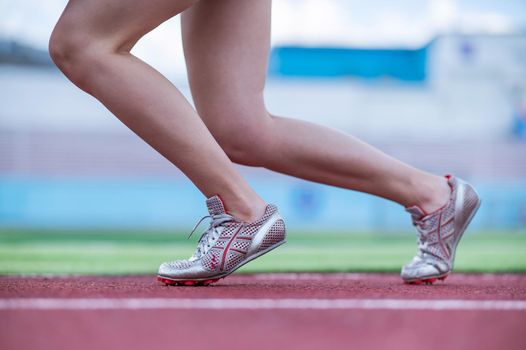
226, 44
91, 44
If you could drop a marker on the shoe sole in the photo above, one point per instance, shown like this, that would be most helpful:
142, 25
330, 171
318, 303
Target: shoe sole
207, 281
427, 280
432, 279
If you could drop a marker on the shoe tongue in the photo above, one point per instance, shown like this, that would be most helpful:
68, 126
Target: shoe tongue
415, 212
215, 205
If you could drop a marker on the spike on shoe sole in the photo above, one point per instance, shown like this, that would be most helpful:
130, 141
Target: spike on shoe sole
170, 282
427, 281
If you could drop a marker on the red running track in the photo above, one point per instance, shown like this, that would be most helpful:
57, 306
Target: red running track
280, 328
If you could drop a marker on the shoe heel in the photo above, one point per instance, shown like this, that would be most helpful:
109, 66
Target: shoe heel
275, 235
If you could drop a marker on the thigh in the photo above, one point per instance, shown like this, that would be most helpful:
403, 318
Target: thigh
116, 22
226, 45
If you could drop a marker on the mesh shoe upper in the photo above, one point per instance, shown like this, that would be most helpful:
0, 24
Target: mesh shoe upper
227, 242
439, 232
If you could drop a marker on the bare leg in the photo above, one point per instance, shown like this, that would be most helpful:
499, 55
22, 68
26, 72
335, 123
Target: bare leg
91, 44
226, 46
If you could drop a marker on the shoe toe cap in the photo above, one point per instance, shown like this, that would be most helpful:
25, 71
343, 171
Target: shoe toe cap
173, 268
184, 269
165, 269
420, 270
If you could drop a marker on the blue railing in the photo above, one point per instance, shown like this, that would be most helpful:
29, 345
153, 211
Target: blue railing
401, 64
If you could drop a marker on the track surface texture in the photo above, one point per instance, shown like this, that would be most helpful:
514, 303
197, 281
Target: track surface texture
282, 311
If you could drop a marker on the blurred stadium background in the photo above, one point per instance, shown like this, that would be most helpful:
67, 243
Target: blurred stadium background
440, 84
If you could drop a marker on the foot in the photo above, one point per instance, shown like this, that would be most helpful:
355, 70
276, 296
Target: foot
225, 246
439, 234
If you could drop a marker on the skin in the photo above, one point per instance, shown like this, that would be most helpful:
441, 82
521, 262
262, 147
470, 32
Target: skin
226, 45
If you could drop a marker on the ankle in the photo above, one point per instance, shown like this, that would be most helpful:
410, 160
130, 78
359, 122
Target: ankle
245, 209
432, 193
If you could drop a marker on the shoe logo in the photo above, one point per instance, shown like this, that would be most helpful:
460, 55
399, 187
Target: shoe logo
227, 248
214, 262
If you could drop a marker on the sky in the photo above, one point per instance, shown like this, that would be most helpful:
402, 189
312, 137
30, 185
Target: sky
371, 23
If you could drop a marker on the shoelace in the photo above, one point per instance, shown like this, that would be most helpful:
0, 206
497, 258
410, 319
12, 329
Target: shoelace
422, 236
210, 235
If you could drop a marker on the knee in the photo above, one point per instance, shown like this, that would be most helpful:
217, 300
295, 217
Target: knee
245, 147
246, 143
76, 53
73, 56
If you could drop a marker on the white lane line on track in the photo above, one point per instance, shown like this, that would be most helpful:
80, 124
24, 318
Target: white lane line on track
286, 276
257, 304
311, 276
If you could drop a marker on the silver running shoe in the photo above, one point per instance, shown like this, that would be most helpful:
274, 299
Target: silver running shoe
225, 246
439, 234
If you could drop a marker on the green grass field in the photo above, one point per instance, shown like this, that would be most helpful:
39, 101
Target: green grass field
29, 252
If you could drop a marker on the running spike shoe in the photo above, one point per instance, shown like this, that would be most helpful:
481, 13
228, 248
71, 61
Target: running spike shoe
227, 244
439, 233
